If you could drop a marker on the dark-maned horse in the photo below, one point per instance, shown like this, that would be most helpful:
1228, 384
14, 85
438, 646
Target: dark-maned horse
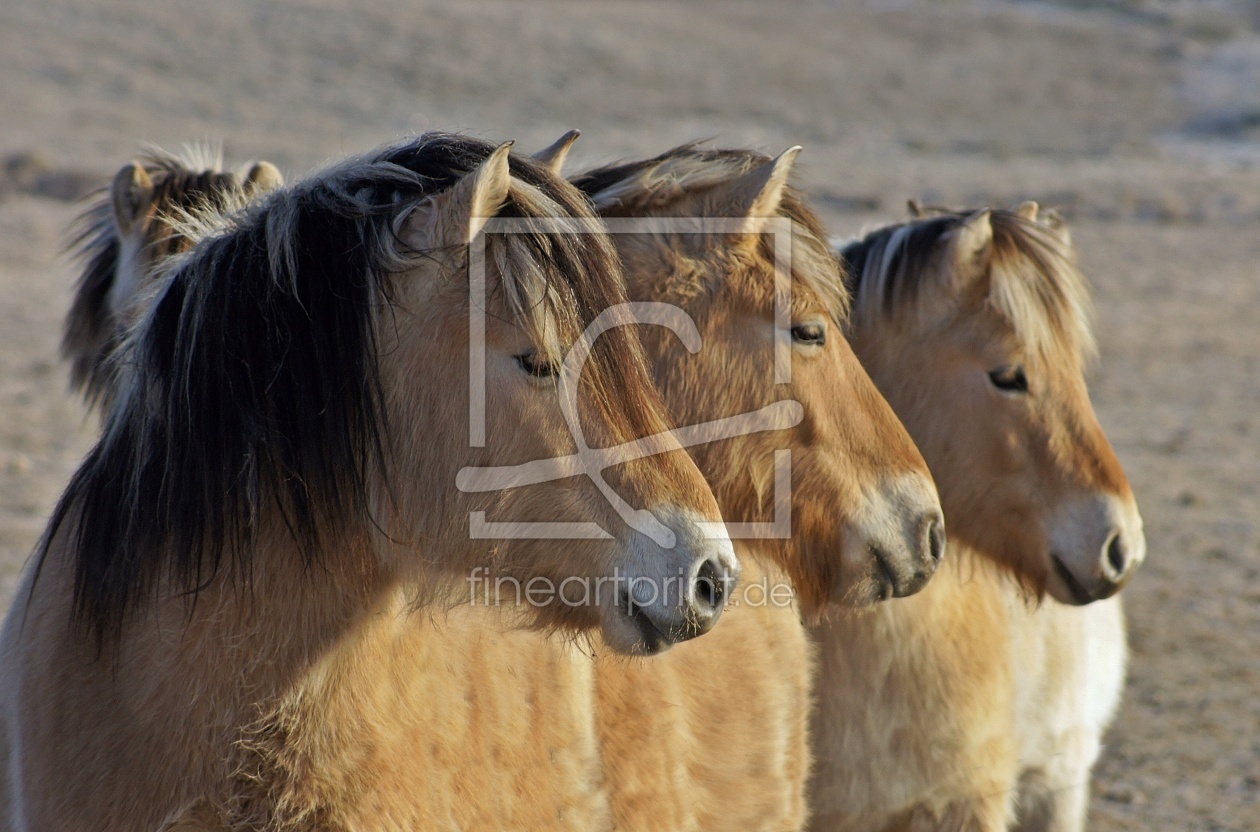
222, 607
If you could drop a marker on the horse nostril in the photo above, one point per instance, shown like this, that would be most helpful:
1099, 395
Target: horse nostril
1116, 556
936, 539
710, 586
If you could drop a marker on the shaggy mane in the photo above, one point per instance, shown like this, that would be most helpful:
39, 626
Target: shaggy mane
1033, 280
256, 384
653, 186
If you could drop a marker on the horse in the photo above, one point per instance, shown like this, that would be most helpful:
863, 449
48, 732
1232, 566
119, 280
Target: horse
577, 771
220, 621
125, 233
981, 702
713, 735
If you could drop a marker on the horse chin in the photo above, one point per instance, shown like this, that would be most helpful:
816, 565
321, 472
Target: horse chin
635, 629
632, 633
863, 593
1065, 588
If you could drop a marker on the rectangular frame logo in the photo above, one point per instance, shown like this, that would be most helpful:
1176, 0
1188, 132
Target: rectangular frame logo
777, 416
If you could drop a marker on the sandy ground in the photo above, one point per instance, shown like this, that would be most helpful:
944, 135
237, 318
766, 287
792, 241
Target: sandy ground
1141, 119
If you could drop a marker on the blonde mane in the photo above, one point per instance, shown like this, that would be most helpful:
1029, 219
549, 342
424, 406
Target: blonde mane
657, 186
1033, 281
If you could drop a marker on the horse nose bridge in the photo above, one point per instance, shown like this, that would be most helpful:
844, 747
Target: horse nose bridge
695, 540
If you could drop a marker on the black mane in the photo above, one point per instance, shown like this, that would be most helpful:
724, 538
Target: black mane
904, 264
256, 386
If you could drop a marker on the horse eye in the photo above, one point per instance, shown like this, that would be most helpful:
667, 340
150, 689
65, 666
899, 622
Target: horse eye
1009, 379
810, 334
538, 368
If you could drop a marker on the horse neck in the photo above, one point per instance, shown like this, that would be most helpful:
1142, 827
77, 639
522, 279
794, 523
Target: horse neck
250, 639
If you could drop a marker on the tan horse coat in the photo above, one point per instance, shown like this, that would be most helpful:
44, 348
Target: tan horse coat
714, 735
528, 732
980, 703
302, 695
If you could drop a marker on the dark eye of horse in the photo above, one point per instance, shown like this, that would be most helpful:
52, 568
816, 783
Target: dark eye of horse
1009, 379
810, 334
530, 363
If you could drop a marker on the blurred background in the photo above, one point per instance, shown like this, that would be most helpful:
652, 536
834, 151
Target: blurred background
1139, 118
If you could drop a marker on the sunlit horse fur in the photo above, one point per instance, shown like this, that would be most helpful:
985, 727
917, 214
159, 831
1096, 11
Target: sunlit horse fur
716, 737
650, 753
221, 620
983, 699
126, 233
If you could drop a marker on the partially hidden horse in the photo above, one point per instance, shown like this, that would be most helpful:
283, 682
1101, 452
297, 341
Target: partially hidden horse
981, 702
715, 737
125, 235
220, 625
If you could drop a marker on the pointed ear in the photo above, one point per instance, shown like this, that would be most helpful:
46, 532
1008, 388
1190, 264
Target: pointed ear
969, 247
916, 210
757, 195
553, 155
1027, 210
1057, 226
456, 216
261, 178
130, 195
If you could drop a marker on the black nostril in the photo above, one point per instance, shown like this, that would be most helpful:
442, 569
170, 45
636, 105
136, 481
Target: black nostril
1116, 555
711, 585
936, 539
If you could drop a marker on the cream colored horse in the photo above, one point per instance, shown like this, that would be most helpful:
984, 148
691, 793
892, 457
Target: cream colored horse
221, 619
981, 701
695, 738
123, 237
714, 735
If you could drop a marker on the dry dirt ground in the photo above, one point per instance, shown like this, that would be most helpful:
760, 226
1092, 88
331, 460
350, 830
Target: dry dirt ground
1141, 119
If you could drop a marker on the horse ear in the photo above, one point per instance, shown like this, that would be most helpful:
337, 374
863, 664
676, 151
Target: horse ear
969, 246
553, 155
757, 194
261, 178
916, 210
456, 216
1027, 210
130, 194
1057, 226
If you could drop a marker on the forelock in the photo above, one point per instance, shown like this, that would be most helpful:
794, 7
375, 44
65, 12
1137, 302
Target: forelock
658, 186
1033, 281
